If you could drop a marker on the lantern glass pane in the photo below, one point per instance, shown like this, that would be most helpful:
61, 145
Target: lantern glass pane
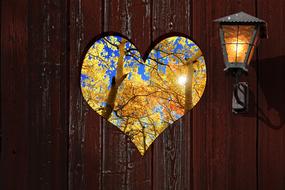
230, 33
237, 41
236, 52
245, 33
251, 54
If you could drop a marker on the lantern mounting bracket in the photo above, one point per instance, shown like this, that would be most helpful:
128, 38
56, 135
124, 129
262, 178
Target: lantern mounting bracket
240, 94
240, 98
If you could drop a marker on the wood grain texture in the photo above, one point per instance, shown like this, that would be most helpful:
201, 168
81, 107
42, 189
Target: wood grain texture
51, 138
224, 151
123, 167
14, 75
35, 129
271, 110
172, 149
85, 129
48, 94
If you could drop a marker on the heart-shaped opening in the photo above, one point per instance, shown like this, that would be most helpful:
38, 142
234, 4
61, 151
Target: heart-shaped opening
143, 97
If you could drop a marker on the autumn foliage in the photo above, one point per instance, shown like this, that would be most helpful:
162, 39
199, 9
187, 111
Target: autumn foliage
143, 97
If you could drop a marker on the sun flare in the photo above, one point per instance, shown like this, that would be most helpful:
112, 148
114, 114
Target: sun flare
182, 80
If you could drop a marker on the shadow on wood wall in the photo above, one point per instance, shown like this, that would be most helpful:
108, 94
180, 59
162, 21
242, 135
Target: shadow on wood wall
272, 88
270, 73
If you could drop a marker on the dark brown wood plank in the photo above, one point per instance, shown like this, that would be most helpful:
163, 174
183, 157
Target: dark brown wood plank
172, 149
271, 110
224, 144
14, 95
47, 94
123, 167
36, 130
36, 37
85, 125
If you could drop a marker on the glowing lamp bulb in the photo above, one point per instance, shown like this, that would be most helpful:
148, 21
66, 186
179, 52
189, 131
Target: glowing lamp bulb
182, 80
237, 50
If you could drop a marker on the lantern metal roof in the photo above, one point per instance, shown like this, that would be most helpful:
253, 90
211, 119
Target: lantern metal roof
244, 18
240, 17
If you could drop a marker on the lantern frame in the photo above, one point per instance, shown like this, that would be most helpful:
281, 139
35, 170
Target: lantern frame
240, 92
241, 19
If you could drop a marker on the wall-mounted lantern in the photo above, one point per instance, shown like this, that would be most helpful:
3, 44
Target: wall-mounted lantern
239, 35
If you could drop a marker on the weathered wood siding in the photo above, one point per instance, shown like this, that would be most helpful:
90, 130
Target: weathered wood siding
51, 139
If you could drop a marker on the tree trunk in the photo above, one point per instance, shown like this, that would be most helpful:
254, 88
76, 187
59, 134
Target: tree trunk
188, 87
116, 82
189, 83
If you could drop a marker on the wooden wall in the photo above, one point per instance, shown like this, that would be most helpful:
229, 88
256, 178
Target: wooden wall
51, 139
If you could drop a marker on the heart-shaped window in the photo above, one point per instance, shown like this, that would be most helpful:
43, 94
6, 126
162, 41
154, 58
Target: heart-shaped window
142, 97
